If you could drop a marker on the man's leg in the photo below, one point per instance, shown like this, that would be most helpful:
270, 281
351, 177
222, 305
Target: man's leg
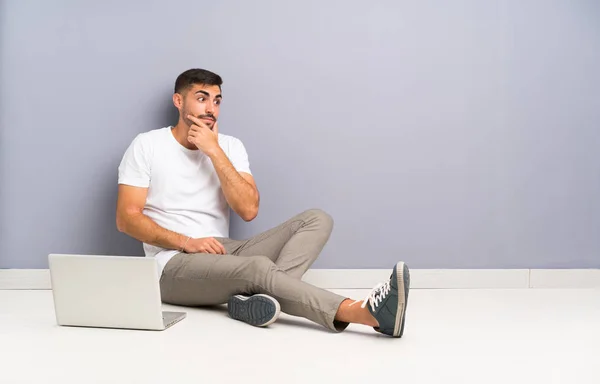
293, 246
208, 279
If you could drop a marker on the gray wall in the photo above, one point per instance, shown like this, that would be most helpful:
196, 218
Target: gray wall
457, 134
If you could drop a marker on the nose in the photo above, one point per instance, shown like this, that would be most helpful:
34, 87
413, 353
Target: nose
209, 109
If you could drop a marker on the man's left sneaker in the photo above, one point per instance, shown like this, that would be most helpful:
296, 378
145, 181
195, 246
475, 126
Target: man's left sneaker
387, 302
258, 310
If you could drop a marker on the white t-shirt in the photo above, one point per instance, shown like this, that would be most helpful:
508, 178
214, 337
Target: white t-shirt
184, 190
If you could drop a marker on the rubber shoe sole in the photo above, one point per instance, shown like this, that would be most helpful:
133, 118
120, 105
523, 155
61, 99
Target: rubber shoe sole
403, 284
257, 310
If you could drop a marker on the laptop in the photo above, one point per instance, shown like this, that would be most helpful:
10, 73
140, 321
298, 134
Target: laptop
108, 292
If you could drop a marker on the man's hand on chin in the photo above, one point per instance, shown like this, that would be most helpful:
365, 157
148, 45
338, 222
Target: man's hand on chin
202, 136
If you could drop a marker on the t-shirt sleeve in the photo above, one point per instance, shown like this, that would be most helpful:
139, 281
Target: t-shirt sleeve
134, 169
239, 157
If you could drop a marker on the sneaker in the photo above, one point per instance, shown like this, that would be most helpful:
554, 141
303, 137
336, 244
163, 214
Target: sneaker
387, 302
258, 310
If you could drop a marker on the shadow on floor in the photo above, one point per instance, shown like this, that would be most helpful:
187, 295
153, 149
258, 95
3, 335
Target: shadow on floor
296, 322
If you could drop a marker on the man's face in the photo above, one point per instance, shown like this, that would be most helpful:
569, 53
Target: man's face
201, 101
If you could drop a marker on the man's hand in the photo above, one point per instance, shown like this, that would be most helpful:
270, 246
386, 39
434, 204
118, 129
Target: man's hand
202, 137
204, 245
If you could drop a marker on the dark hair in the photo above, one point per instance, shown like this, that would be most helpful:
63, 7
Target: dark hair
196, 76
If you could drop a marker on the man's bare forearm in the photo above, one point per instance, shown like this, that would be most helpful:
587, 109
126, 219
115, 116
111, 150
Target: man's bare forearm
144, 229
241, 195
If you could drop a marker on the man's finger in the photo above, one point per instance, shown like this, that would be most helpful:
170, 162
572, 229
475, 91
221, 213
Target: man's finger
195, 128
210, 248
198, 122
220, 246
194, 119
213, 243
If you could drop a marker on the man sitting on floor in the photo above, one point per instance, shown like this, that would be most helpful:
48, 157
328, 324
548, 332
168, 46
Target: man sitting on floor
176, 185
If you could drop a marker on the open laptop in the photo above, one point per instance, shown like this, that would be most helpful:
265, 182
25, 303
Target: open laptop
108, 292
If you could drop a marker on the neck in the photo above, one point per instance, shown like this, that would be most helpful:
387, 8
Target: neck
180, 132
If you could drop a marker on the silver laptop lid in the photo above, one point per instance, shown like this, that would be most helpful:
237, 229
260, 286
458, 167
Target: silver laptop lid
106, 291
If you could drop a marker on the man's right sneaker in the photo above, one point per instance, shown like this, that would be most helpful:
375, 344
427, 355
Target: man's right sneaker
387, 302
258, 310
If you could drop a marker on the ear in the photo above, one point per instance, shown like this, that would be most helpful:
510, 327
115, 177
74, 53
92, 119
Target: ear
177, 100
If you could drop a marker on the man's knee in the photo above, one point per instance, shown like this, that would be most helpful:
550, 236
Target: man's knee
259, 266
324, 219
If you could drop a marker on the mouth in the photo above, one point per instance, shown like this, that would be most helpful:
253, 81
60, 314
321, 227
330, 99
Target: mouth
207, 119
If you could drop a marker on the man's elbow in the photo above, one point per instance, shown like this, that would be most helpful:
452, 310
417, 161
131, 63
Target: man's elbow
123, 219
250, 213
249, 216
120, 224
127, 218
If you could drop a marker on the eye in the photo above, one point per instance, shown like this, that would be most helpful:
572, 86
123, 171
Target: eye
201, 98
218, 102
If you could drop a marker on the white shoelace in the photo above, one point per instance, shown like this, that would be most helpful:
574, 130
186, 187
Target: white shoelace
376, 295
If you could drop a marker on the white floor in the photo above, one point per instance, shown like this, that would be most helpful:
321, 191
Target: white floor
451, 336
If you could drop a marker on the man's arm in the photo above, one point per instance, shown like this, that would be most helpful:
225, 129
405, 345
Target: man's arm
239, 188
132, 221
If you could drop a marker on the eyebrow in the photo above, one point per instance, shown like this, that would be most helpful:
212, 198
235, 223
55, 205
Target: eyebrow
208, 95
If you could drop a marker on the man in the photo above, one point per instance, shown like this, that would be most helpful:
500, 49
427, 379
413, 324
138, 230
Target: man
176, 185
